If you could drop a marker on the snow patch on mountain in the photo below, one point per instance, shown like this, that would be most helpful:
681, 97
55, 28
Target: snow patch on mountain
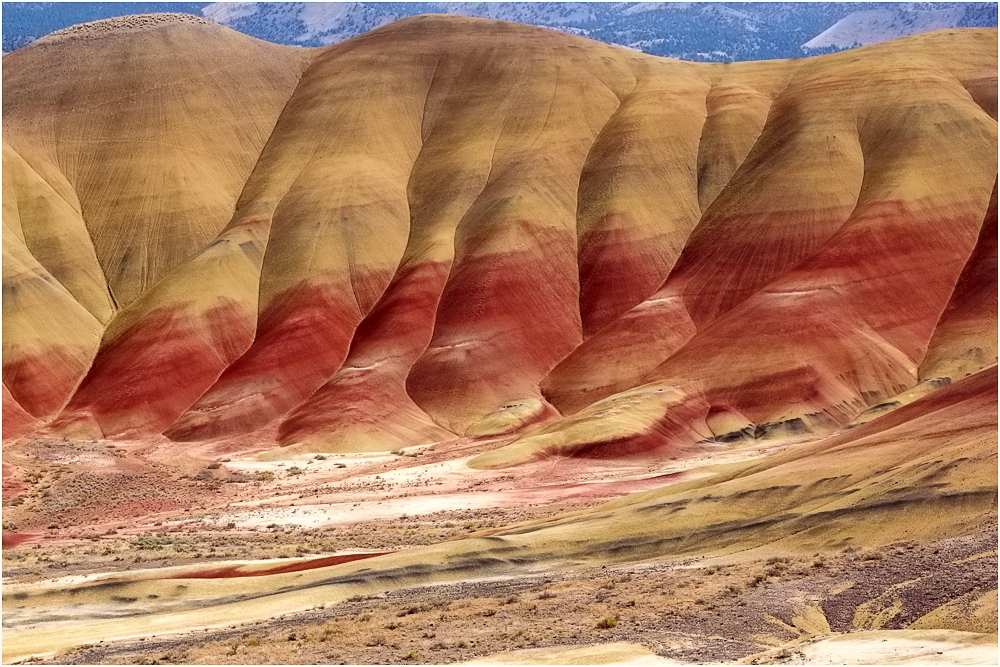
871, 27
227, 12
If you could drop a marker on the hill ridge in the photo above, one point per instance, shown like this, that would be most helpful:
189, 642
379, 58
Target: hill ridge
123, 24
596, 245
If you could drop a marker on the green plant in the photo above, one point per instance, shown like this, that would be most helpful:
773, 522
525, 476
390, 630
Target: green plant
607, 623
412, 655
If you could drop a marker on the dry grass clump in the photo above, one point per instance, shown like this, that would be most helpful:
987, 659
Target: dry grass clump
118, 24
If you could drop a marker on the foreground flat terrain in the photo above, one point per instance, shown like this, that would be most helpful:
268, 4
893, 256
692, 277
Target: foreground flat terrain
325, 563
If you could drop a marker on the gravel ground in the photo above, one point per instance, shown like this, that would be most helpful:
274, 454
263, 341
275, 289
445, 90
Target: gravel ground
690, 610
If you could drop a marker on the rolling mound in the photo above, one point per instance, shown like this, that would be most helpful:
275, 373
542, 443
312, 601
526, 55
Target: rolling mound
935, 457
454, 227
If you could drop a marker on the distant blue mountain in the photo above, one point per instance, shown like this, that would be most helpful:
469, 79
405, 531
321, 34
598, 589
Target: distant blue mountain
691, 31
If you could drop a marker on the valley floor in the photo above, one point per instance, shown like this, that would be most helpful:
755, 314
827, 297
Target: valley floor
126, 553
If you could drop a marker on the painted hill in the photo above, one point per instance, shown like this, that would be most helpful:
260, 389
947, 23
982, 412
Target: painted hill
454, 227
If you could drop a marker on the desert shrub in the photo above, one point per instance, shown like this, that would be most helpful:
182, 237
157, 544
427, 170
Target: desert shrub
150, 543
607, 623
413, 609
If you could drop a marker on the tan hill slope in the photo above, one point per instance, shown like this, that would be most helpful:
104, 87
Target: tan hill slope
454, 227
128, 142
